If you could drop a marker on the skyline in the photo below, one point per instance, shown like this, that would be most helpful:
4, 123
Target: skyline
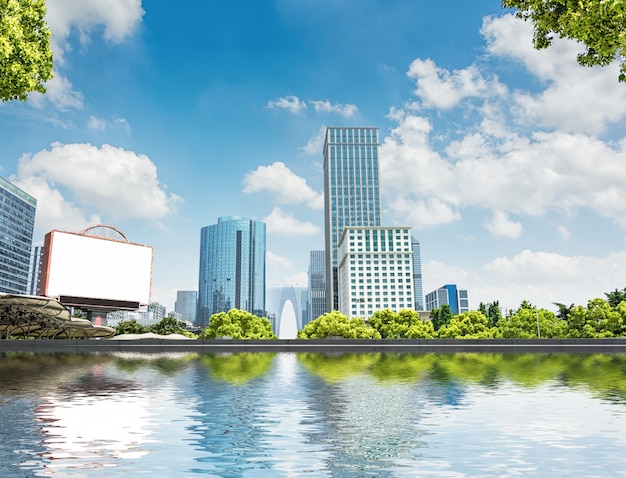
506, 162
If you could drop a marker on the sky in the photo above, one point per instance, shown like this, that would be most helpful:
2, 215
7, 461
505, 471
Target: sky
506, 162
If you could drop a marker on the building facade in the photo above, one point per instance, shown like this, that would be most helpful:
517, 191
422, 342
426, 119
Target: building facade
17, 221
232, 268
448, 294
34, 270
375, 270
317, 285
418, 292
351, 192
186, 304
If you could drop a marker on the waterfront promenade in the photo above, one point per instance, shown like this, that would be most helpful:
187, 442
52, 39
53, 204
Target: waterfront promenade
587, 346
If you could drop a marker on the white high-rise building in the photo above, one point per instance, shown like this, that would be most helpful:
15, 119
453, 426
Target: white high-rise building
375, 270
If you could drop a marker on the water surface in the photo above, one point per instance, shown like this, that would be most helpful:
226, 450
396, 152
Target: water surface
287, 414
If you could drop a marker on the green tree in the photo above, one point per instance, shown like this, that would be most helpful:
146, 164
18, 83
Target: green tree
130, 327
598, 24
238, 324
493, 313
531, 323
170, 325
616, 297
25, 55
336, 324
563, 311
468, 325
404, 324
598, 319
440, 317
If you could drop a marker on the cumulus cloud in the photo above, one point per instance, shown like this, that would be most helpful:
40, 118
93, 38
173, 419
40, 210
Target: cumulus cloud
117, 19
288, 187
500, 225
280, 222
315, 145
537, 276
325, 106
291, 103
278, 262
440, 88
570, 102
80, 183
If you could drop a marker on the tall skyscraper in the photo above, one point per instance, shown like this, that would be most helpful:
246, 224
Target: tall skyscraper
351, 194
17, 221
317, 285
418, 292
186, 304
232, 268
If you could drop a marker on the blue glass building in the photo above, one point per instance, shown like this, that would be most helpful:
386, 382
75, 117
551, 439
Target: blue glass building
448, 294
186, 304
351, 192
17, 221
232, 268
317, 285
418, 292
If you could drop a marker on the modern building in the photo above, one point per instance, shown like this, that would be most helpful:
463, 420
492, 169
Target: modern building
317, 285
17, 221
351, 192
186, 304
375, 270
232, 268
450, 295
418, 293
34, 270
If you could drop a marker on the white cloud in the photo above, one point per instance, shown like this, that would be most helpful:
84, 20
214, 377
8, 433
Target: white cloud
278, 262
537, 276
440, 88
117, 18
291, 103
315, 145
325, 106
279, 222
77, 183
500, 225
284, 184
101, 124
564, 232
571, 100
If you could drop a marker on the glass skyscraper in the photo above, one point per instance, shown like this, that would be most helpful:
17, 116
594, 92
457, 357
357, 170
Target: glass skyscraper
186, 304
17, 221
232, 268
351, 193
317, 285
418, 292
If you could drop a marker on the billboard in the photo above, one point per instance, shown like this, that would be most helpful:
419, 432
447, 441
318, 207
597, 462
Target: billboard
95, 272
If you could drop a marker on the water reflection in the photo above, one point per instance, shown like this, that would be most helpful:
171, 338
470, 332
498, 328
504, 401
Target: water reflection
260, 415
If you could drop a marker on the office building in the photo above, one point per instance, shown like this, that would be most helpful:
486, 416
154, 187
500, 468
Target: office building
375, 270
17, 221
317, 285
186, 304
232, 268
34, 270
351, 193
450, 295
418, 293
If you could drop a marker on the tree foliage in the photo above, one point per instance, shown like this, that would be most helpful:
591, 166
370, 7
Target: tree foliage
616, 297
599, 24
469, 325
170, 325
440, 317
402, 325
336, 324
130, 327
238, 324
25, 55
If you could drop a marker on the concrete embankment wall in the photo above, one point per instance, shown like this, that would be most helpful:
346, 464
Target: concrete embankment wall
587, 346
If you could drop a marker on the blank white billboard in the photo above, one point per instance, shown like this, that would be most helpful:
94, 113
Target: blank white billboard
76, 265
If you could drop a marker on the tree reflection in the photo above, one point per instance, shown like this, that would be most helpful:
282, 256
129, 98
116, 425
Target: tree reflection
238, 368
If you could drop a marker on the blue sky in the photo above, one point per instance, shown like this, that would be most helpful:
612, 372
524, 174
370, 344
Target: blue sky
507, 162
